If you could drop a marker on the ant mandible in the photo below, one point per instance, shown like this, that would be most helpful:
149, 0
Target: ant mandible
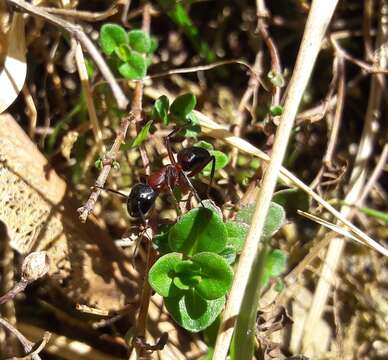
190, 161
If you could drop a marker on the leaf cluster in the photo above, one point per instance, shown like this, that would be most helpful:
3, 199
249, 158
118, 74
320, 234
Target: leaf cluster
194, 273
130, 52
180, 112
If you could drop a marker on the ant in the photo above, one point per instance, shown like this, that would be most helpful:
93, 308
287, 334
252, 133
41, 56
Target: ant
190, 161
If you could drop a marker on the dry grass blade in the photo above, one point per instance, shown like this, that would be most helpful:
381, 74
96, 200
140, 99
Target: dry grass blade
339, 230
13, 75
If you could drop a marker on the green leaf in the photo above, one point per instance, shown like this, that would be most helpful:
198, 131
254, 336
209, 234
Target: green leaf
209, 204
154, 44
191, 123
275, 218
292, 200
135, 68
139, 41
216, 275
111, 37
221, 161
237, 233
193, 312
183, 105
99, 164
162, 273
199, 230
229, 254
187, 266
186, 281
275, 264
204, 145
188, 274
160, 109
276, 110
142, 135
160, 240
123, 52
245, 214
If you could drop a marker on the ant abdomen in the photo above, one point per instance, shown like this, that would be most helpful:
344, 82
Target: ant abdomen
140, 200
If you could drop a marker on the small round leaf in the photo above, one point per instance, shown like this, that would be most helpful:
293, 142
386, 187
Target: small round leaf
183, 105
209, 204
193, 312
188, 267
160, 240
111, 37
275, 264
275, 218
135, 68
199, 230
204, 145
123, 52
162, 274
292, 200
245, 214
276, 110
237, 233
221, 161
216, 275
190, 123
160, 109
186, 281
139, 41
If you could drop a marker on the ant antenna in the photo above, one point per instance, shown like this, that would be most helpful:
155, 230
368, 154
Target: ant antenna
111, 190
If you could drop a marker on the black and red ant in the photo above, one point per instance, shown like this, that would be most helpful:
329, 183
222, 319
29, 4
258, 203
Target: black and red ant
190, 161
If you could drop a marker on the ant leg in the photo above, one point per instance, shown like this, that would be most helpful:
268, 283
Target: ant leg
171, 180
213, 169
209, 186
110, 190
192, 188
142, 215
176, 204
168, 144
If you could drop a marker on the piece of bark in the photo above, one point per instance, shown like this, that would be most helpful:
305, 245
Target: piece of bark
39, 215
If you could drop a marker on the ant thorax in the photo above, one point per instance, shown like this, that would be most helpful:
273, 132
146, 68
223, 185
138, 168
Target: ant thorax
165, 179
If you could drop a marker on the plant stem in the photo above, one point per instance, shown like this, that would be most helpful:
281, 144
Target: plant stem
244, 337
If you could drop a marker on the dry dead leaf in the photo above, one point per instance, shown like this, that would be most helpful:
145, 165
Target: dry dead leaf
13, 75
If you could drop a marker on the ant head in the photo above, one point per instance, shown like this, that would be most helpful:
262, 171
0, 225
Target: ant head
193, 159
140, 200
